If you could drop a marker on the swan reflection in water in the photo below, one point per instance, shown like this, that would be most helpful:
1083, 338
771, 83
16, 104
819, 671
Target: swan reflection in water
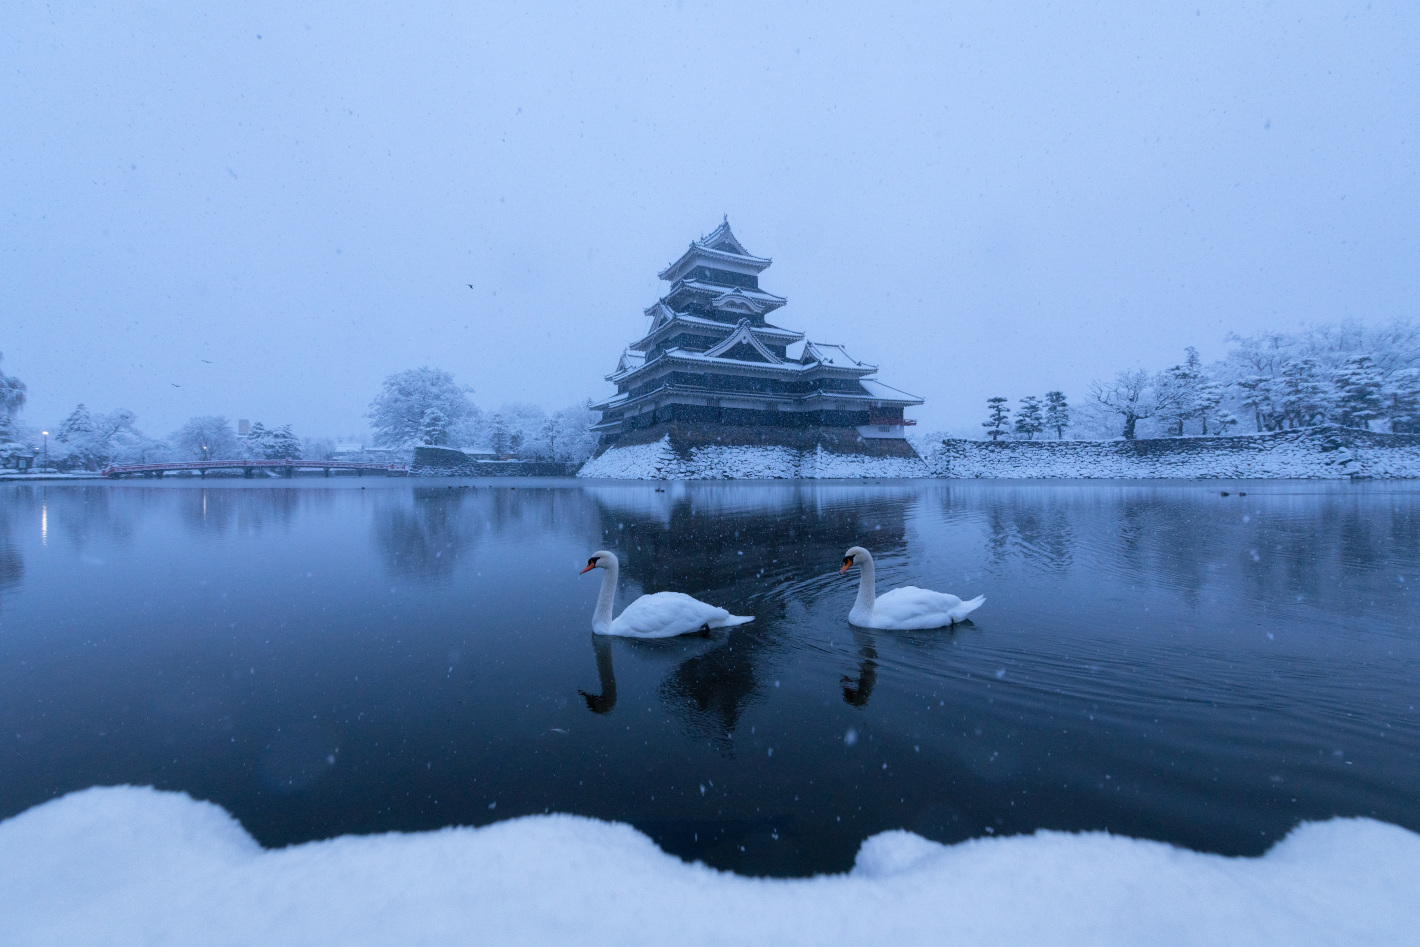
856, 691
604, 702
709, 681
676, 652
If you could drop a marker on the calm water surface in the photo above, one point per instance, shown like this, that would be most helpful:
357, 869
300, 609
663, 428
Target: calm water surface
331, 656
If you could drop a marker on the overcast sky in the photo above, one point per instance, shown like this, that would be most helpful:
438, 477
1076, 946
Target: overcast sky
261, 209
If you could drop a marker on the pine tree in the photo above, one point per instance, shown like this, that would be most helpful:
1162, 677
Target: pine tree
1029, 417
76, 427
1257, 395
282, 444
1358, 386
1184, 393
1223, 420
254, 442
1209, 397
1057, 413
1304, 396
999, 415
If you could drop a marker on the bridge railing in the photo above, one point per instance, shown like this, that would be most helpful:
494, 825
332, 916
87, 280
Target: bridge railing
118, 470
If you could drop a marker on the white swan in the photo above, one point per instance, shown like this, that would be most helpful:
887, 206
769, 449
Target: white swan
906, 609
659, 615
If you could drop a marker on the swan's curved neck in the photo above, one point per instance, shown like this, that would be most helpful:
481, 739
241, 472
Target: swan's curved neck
867, 577
601, 618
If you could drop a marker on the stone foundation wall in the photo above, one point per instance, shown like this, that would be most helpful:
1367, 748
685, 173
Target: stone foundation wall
665, 459
1325, 452
835, 440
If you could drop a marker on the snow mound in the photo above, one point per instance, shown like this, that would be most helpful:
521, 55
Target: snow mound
660, 461
127, 865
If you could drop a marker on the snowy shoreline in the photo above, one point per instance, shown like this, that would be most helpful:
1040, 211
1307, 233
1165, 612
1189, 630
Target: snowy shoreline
129, 865
1316, 453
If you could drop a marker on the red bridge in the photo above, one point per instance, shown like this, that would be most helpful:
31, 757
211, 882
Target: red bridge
249, 468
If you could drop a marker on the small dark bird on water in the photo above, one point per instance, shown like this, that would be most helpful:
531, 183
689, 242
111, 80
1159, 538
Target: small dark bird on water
470, 285
175, 384
204, 360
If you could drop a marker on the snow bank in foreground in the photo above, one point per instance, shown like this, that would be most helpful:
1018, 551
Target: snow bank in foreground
136, 866
660, 461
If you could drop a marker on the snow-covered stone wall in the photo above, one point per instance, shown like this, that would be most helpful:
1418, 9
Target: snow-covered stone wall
659, 460
444, 462
1325, 452
1310, 453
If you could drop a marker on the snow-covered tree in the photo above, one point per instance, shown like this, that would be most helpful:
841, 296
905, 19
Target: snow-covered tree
12, 399
208, 437
1402, 401
1222, 420
1256, 397
434, 428
253, 442
78, 425
317, 448
1210, 397
525, 424
134, 447
1186, 393
575, 438
1304, 395
275, 443
1057, 413
499, 434
282, 444
1134, 396
397, 413
1358, 389
1030, 417
995, 424
1308, 376
88, 441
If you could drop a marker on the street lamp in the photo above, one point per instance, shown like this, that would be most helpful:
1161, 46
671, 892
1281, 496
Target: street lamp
45, 465
204, 451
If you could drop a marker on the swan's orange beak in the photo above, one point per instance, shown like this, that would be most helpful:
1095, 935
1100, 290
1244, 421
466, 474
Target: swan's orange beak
846, 564
589, 568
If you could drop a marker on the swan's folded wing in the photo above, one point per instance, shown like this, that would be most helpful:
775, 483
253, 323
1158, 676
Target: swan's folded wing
664, 614
910, 607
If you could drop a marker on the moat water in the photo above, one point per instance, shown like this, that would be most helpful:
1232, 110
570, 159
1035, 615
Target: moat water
350, 656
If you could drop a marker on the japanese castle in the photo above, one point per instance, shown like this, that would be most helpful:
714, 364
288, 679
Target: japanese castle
713, 369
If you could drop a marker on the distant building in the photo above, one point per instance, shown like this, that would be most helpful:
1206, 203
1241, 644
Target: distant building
713, 368
16, 457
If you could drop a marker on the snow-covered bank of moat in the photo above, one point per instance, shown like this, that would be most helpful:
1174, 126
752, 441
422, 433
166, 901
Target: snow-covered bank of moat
130, 865
1309, 454
659, 460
